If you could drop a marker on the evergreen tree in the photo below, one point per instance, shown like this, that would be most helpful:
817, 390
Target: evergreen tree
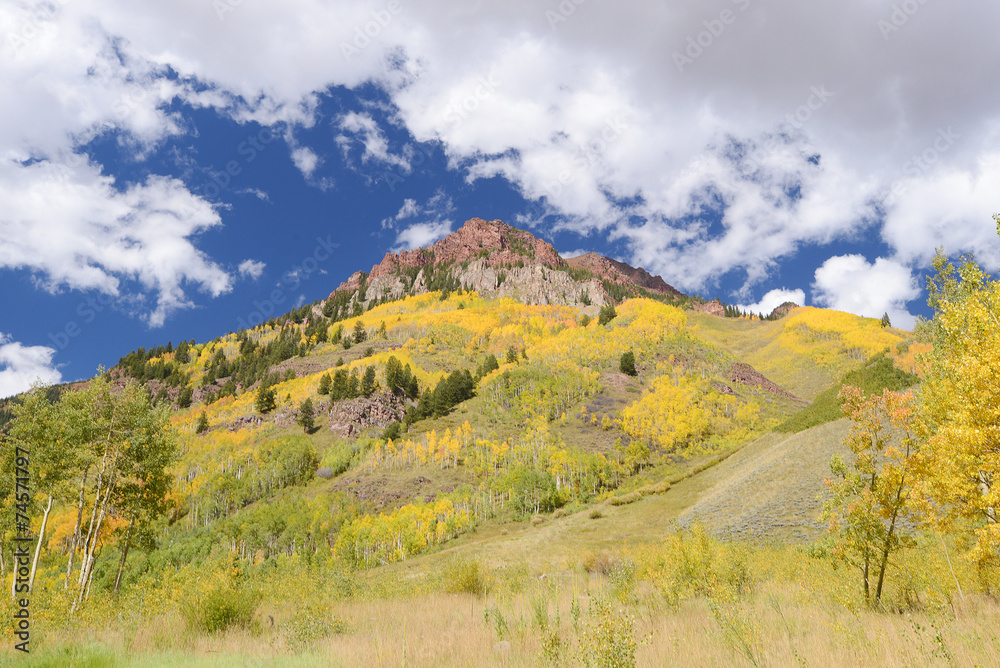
607, 314
885, 320
324, 384
307, 415
202, 424
266, 401
181, 353
368, 383
360, 335
627, 363
511, 355
184, 398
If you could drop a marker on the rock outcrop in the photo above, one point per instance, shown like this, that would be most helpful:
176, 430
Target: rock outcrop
621, 273
350, 418
713, 307
744, 374
497, 260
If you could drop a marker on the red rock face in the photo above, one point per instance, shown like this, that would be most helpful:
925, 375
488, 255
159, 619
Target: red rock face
619, 272
499, 245
493, 240
714, 307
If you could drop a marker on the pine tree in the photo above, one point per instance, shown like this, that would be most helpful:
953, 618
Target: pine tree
202, 424
184, 398
307, 415
360, 334
324, 384
885, 320
607, 314
368, 383
627, 363
266, 401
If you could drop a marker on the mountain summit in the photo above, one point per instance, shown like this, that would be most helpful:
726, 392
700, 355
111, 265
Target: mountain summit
495, 259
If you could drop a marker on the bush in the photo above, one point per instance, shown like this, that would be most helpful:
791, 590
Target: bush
631, 497
596, 514
310, 624
466, 576
606, 315
223, 607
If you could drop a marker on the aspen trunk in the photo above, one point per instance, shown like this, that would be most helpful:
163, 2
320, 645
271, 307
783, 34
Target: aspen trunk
121, 563
38, 546
74, 543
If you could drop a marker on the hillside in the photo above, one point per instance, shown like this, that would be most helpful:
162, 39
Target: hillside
464, 424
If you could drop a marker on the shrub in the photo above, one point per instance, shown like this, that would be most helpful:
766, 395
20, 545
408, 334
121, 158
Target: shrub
596, 514
310, 624
537, 520
600, 562
223, 607
466, 576
609, 640
631, 497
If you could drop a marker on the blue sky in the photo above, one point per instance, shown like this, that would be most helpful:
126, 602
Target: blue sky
166, 171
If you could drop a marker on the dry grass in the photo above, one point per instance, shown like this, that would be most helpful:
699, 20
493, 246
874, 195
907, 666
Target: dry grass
781, 623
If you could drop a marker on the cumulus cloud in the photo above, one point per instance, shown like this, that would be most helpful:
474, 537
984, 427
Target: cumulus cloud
775, 298
851, 283
21, 366
573, 253
787, 129
252, 269
421, 234
305, 160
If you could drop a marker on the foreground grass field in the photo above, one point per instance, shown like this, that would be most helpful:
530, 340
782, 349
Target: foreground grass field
686, 601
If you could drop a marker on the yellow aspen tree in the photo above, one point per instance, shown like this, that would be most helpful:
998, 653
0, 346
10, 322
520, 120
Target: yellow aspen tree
869, 495
960, 404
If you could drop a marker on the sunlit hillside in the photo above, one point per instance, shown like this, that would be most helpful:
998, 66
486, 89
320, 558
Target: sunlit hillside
450, 432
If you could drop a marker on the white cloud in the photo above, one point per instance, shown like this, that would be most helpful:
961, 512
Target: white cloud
252, 269
363, 128
421, 234
775, 298
75, 230
591, 113
305, 160
21, 366
574, 253
408, 210
850, 283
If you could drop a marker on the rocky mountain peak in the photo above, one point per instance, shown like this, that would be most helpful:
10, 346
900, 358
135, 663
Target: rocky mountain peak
493, 258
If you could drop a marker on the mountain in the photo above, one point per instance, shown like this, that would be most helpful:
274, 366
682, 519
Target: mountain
463, 405
498, 260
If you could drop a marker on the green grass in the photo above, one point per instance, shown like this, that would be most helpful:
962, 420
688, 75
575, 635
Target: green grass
877, 375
